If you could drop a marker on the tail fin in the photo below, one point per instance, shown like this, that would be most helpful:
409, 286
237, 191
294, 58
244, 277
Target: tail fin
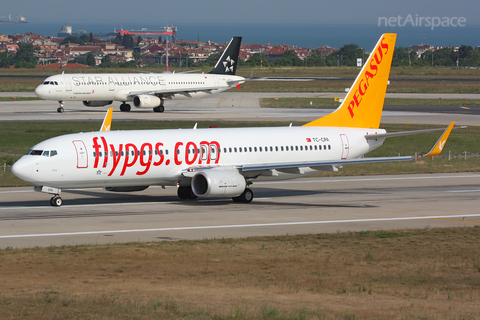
363, 105
107, 122
227, 64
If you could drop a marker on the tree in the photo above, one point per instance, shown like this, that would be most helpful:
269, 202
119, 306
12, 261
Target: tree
90, 59
289, 58
257, 60
73, 39
346, 56
24, 57
106, 62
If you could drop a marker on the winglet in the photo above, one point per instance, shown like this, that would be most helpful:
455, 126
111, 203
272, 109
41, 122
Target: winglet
107, 122
438, 147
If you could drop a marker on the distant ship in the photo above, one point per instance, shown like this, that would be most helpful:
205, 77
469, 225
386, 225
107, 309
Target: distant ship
65, 31
12, 20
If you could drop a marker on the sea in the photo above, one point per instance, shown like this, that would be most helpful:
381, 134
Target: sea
301, 35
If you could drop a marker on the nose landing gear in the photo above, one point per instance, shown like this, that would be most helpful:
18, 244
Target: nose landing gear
60, 108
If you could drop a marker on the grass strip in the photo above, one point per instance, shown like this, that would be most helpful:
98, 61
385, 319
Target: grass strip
429, 273
331, 103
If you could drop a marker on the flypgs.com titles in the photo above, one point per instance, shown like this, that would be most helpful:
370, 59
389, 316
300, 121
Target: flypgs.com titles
432, 22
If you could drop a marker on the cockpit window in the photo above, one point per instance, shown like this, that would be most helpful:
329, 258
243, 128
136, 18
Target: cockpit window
45, 153
46, 82
35, 152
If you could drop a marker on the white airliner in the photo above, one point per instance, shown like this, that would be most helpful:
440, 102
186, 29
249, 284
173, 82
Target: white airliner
221, 162
145, 90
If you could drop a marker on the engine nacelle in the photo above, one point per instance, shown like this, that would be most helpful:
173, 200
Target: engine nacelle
126, 189
146, 101
96, 103
218, 183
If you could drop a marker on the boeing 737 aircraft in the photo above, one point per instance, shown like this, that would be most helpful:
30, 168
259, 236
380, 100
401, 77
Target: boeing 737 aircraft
147, 90
221, 162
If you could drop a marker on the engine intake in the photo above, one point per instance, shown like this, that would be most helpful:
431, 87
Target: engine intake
218, 183
146, 101
96, 103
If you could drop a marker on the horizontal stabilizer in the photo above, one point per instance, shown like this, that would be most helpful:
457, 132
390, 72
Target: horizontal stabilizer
404, 133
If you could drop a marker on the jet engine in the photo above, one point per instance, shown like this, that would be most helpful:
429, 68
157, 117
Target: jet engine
146, 101
96, 103
218, 183
126, 189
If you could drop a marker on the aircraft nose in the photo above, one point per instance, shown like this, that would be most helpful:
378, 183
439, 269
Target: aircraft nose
23, 169
39, 92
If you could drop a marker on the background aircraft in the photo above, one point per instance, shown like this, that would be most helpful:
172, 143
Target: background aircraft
221, 162
145, 90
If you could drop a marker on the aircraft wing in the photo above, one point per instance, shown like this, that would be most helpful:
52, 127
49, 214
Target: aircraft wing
314, 164
171, 92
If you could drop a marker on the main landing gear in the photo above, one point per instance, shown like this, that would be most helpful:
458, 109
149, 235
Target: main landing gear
56, 201
245, 197
160, 108
125, 107
185, 192
60, 108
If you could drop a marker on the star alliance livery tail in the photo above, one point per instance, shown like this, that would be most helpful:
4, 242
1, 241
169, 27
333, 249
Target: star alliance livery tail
362, 107
227, 64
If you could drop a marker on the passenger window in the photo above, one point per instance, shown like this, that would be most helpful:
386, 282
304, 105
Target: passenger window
281, 148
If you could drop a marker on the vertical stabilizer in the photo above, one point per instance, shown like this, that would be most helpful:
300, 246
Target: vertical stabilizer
363, 105
227, 64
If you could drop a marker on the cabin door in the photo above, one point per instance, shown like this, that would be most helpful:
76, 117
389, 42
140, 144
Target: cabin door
82, 156
345, 146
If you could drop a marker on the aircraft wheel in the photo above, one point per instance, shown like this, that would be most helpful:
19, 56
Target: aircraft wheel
125, 107
182, 193
56, 201
60, 110
245, 197
190, 194
159, 109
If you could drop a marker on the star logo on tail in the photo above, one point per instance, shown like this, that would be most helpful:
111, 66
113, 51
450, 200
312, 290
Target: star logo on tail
228, 64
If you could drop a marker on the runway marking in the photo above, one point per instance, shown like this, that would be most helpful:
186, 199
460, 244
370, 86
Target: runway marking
459, 191
231, 226
456, 220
